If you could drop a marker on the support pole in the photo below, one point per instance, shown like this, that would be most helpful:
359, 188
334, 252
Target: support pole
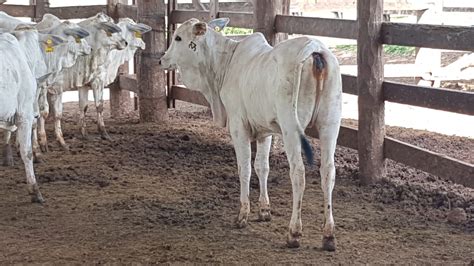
120, 101
40, 9
213, 9
369, 82
265, 12
151, 79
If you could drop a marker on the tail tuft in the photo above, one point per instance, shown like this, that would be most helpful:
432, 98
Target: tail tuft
308, 151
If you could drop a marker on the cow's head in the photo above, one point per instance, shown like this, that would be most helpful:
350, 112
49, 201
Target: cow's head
76, 37
194, 50
109, 35
188, 41
132, 33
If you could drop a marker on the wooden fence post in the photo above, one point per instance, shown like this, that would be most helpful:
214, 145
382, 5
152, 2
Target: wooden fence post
120, 101
213, 9
40, 9
369, 83
264, 14
151, 80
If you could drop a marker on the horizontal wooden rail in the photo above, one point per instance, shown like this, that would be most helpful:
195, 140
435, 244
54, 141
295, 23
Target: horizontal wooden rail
430, 36
440, 99
349, 84
18, 10
127, 11
338, 28
431, 162
237, 19
458, 9
128, 82
75, 12
243, 6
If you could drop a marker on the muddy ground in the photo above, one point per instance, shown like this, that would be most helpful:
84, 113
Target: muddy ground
170, 193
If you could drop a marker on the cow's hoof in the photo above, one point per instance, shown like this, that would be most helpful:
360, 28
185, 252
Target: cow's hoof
294, 240
65, 147
241, 221
329, 243
35, 194
44, 148
105, 136
264, 215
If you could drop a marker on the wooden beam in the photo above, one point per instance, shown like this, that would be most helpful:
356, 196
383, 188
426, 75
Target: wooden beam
347, 136
18, 10
40, 9
2, 1
180, 16
181, 93
338, 28
127, 11
120, 101
151, 79
237, 19
430, 36
244, 6
77, 12
197, 5
265, 13
458, 9
430, 162
349, 84
370, 101
440, 99
128, 82
213, 9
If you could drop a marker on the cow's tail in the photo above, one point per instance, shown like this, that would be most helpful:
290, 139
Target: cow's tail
305, 145
320, 71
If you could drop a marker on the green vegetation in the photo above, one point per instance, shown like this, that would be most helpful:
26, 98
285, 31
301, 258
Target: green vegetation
388, 49
236, 31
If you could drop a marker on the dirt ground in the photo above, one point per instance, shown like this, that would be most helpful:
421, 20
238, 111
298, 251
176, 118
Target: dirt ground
169, 192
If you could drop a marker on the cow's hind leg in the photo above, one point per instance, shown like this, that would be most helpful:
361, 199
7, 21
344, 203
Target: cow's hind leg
37, 154
26, 152
328, 137
243, 153
7, 149
83, 99
292, 144
262, 168
99, 104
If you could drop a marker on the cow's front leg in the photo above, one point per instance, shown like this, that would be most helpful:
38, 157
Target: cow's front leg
328, 137
7, 149
83, 99
262, 168
98, 90
243, 153
26, 152
37, 155
291, 139
57, 101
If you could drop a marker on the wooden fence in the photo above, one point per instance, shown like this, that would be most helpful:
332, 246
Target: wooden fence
271, 17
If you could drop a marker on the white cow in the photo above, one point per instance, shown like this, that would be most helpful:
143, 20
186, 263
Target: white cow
18, 92
257, 90
88, 70
132, 33
52, 60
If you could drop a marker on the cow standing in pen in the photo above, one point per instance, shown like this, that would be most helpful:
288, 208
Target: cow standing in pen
257, 90
21, 65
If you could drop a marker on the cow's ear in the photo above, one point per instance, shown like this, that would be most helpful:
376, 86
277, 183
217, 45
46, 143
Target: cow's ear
199, 28
219, 24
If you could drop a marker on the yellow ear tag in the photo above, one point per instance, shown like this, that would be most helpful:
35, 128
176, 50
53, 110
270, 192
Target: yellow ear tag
138, 34
78, 40
109, 34
49, 46
217, 29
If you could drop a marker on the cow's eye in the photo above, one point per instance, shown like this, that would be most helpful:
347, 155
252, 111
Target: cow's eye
177, 38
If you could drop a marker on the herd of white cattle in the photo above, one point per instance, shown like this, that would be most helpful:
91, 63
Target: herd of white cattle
41, 61
254, 89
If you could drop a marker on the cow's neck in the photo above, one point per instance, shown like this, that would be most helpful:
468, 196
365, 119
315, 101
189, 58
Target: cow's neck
217, 56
